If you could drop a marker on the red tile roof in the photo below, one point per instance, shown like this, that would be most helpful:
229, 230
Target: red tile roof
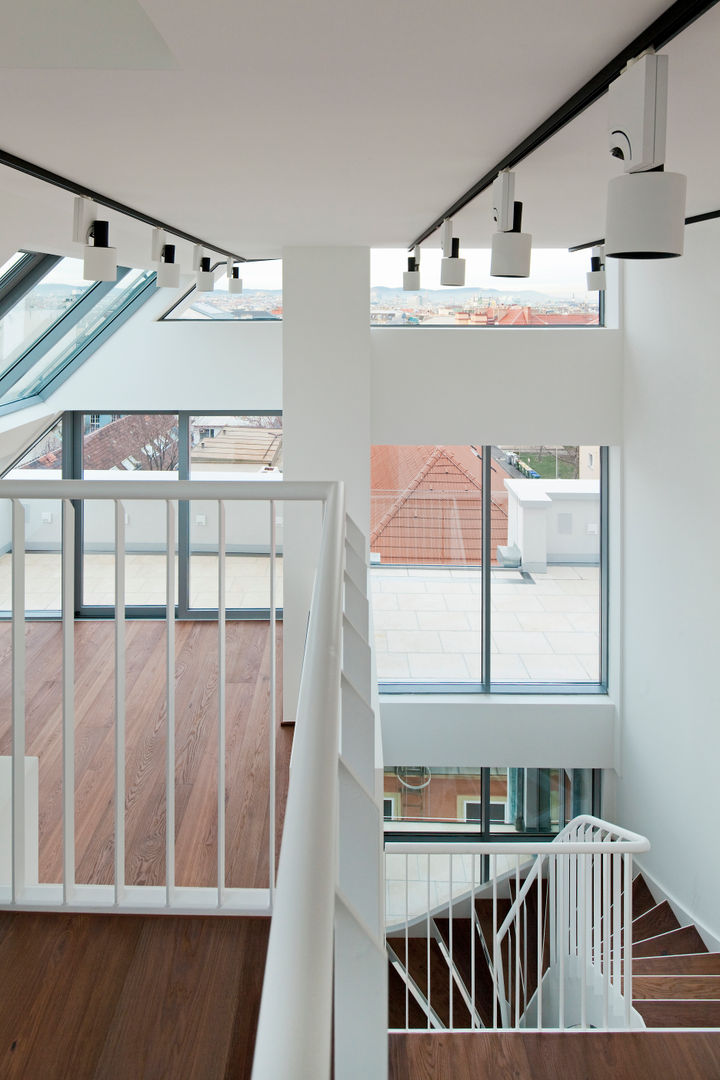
426, 505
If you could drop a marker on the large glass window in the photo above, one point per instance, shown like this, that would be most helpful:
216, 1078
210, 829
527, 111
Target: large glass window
484, 801
535, 617
260, 300
57, 358
555, 294
42, 306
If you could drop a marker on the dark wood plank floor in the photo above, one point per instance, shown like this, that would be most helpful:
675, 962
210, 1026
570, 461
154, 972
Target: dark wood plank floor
248, 699
547, 1056
125, 997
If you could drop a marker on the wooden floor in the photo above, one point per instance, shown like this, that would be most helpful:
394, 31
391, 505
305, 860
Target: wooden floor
125, 997
246, 761
652, 1055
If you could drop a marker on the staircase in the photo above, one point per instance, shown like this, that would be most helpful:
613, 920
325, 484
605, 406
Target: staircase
444, 979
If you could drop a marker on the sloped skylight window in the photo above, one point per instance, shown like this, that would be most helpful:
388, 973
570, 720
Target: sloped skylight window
33, 315
260, 300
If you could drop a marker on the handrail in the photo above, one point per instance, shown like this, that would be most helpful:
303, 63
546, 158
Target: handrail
294, 1026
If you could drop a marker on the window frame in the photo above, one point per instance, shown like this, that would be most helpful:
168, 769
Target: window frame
486, 685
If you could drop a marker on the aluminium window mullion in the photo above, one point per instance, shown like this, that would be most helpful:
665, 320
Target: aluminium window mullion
56, 332
486, 540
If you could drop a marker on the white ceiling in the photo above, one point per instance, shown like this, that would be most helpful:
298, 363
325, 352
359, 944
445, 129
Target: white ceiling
328, 121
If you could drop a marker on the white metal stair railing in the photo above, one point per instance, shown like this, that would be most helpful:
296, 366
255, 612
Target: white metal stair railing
562, 955
326, 970
21, 892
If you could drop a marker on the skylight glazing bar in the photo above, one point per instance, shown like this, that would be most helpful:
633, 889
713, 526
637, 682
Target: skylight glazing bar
24, 276
55, 333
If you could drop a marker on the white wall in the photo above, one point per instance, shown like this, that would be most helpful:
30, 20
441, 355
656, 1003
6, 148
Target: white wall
670, 735
198, 366
501, 386
326, 414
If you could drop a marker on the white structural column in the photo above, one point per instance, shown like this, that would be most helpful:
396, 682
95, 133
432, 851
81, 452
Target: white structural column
326, 415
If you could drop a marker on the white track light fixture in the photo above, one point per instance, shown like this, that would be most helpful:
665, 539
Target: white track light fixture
235, 285
205, 276
646, 205
100, 260
596, 275
452, 267
511, 247
168, 271
411, 277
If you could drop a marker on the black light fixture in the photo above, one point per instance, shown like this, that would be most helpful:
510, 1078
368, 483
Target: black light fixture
205, 276
511, 247
411, 276
235, 285
645, 205
99, 259
452, 267
596, 275
168, 271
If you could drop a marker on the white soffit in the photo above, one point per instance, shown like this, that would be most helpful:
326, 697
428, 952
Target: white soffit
341, 123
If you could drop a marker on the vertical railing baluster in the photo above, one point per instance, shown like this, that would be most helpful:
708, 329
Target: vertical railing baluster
450, 938
627, 966
18, 700
170, 710
496, 950
617, 923
407, 947
562, 933
606, 936
221, 706
68, 697
473, 935
597, 907
120, 679
517, 942
272, 749
540, 941
428, 940
552, 912
582, 901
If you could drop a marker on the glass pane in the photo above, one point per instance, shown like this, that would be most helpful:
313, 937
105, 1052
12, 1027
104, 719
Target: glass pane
545, 586
39, 309
61, 354
439, 799
121, 447
526, 800
425, 553
226, 447
43, 529
555, 294
261, 298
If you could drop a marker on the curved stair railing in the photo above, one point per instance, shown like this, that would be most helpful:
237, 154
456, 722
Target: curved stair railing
546, 942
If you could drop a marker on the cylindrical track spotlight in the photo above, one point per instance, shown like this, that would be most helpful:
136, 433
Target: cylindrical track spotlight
99, 259
596, 274
511, 251
452, 267
205, 276
235, 284
645, 216
411, 277
168, 271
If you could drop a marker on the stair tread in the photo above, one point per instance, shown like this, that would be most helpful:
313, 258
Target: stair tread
417, 965
657, 920
684, 987
462, 959
679, 1013
642, 898
397, 1018
684, 964
684, 940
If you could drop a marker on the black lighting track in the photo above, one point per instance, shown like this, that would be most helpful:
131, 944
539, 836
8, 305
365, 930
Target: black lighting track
692, 220
667, 26
39, 173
